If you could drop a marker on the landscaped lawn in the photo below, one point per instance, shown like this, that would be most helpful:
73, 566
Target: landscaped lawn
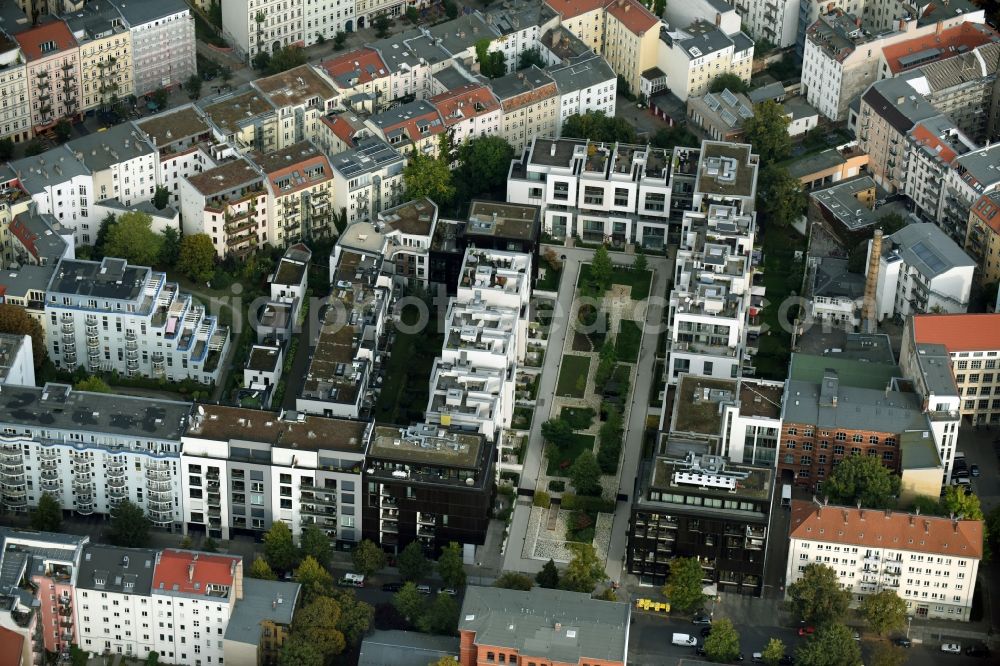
561, 459
550, 280
782, 276
573, 376
638, 280
628, 341
578, 418
522, 418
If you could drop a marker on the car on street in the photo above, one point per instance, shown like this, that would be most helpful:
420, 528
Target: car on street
701, 619
392, 587
951, 648
974, 470
684, 639
857, 636
977, 651
450, 591
806, 631
902, 642
424, 589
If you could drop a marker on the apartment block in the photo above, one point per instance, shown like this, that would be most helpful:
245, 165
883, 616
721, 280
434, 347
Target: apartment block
755, 417
922, 270
361, 71
631, 40
262, 26
427, 484
531, 107
261, 621
163, 43
299, 181
586, 84
931, 562
244, 469
368, 179
17, 364
53, 71
290, 279
415, 126
301, 96
520, 25
982, 242
468, 111
230, 203
106, 63
693, 56
972, 175
931, 148
777, 21
583, 18
130, 320
15, 118
183, 141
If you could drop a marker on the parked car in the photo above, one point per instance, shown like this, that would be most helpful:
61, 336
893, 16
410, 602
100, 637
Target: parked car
977, 651
424, 589
450, 591
684, 639
951, 648
701, 619
806, 631
902, 642
857, 636
974, 470
392, 587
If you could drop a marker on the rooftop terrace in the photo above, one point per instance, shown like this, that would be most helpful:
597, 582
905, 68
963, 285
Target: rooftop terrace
287, 429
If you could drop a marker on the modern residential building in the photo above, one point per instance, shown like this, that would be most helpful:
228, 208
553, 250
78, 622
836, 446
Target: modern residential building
110, 316
931, 148
368, 179
261, 622
834, 295
693, 504
53, 72
427, 484
91, 464
693, 56
105, 55
982, 242
163, 43
244, 469
971, 176
754, 433
263, 372
15, 117
541, 626
531, 108
921, 270
290, 279
972, 345
17, 364
931, 562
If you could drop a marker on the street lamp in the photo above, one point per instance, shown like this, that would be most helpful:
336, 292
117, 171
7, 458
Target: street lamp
909, 619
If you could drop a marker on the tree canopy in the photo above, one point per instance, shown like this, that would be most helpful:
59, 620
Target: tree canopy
723, 642
197, 257
887, 654
484, 162
409, 602
15, 320
440, 616
773, 652
779, 195
675, 135
729, 81
284, 59
601, 268
279, 547
170, 248
512, 580
530, 57
316, 623
885, 611
316, 581
132, 238
315, 543
450, 567
93, 383
817, 596
549, 575
129, 525
161, 197
492, 64
584, 571
299, 652
767, 132
831, 645
368, 558
425, 176
262, 570
47, 516
557, 432
412, 563
597, 126
862, 479
684, 589
585, 474
355, 616
956, 503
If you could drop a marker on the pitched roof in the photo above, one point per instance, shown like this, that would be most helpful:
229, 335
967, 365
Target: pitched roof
886, 529
568, 9
417, 119
356, 67
959, 332
11, 646
54, 31
632, 15
346, 126
294, 168
919, 51
192, 573
467, 101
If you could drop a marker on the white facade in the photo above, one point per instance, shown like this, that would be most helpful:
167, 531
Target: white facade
17, 365
326, 18
163, 43
754, 423
777, 21
368, 180
15, 113
586, 85
718, 12
252, 26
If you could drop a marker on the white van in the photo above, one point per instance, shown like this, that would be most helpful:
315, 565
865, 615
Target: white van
352, 580
786, 494
686, 640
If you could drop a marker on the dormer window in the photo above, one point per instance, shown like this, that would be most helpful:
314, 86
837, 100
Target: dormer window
47, 47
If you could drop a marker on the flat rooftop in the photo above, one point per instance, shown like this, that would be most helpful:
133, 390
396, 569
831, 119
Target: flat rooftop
841, 200
436, 447
296, 86
696, 409
413, 218
225, 177
232, 110
554, 152
295, 430
9, 346
859, 373
502, 220
727, 169
750, 482
60, 407
166, 128
263, 358
760, 400
110, 278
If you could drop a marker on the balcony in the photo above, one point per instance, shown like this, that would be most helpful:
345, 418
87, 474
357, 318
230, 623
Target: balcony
46, 454
50, 485
50, 474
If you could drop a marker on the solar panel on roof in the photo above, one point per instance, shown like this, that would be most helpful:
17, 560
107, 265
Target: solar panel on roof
929, 257
729, 98
712, 102
728, 118
745, 111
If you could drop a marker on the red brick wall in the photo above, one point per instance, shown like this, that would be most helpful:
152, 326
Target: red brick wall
814, 450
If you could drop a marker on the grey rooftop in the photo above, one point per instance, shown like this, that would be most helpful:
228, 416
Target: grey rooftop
262, 600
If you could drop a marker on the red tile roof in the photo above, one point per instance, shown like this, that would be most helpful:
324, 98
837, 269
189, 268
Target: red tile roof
958, 332
987, 209
948, 41
470, 100
871, 528
431, 120
568, 9
345, 129
174, 568
11, 646
633, 15
928, 138
25, 235
362, 64
54, 31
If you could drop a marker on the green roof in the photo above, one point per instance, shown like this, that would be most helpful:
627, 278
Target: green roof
856, 374
918, 451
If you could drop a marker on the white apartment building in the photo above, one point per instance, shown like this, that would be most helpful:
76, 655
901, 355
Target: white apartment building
468, 111
163, 43
521, 23
91, 450
291, 278
245, 469
931, 148
230, 203
300, 97
299, 181
693, 56
17, 364
325, 18
183, 142
777, 21
931, 562
972, 175
531, 106
753, 431
586, 84
595, 191
717, 12
922, 270
368, 179
408, 230
255, 26
111, 316
15, 108
473, 381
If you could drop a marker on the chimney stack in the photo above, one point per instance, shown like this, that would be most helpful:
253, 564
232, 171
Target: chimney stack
191, 572
868, 313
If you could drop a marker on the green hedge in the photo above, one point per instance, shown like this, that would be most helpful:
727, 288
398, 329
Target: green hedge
573, 502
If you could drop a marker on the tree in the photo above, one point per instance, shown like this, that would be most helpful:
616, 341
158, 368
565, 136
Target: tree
640, 264
316, 623
862, 479
193, 86
299, 652
63, 130
382, 25
530, 57
956, 503
440, 616
261, 61
774, 652
446, 660
210, 546
891, 223
170, 247
606, 365
368, 558
684, 589
409, 602
316, 581
132, 238
279, 547
887, 654
320, 38
884, 610
585, 474
780, 197
831, 645
129, 525
152, 659
186, 543
161, 197
450, 9
817, 597
485, 161
548, 577
101, 240
599, 127
93, 383
286, 58
315, 543
197, 257
413, 15
412, 563
425, 176
450, 567
47, 516
160, 98
262, 570
723, 642
35, 147
610, 441
6, 148
511, 580
15, 320
728, 81
584, 571
492, 64
355, 616
338, 40
557, 432
767, 132
601, 268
